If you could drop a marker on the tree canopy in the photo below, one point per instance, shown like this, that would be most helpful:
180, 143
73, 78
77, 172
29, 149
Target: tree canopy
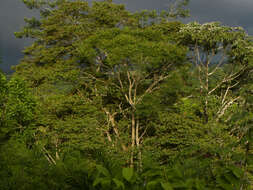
109, 99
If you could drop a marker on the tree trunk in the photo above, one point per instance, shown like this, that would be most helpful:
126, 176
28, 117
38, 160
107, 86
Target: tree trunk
133, 141
138, 145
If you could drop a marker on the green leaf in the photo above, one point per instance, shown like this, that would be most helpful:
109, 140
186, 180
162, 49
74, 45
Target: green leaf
118, 183
128, 173
105, 182
97, 181
199, 185
166, 186
237, 172
151, 185
103, 170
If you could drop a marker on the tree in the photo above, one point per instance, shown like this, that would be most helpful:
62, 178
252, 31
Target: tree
220, 55
132, 64
134, 90
51, 68
51, 63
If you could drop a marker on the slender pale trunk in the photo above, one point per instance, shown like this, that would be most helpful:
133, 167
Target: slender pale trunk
57, 157
111, 120
207, 90
138, 145
133, 141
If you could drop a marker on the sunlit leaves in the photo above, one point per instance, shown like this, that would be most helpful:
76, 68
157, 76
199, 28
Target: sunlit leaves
128, 173
17, 105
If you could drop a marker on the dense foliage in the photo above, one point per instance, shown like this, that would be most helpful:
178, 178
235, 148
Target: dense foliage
109, 99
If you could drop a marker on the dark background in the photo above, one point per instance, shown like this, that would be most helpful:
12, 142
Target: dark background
12, 13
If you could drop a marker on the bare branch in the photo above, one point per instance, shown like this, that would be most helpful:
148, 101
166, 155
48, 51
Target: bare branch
120, 81
151, 87
225, 107
228, 88
50, 159
198, 56
144, 132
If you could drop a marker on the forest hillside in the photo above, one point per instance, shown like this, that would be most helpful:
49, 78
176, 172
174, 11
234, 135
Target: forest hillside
108, 99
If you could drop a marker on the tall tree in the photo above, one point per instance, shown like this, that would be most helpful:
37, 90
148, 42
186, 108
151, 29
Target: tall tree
220, 55
51, 68
132, 64
51, 64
